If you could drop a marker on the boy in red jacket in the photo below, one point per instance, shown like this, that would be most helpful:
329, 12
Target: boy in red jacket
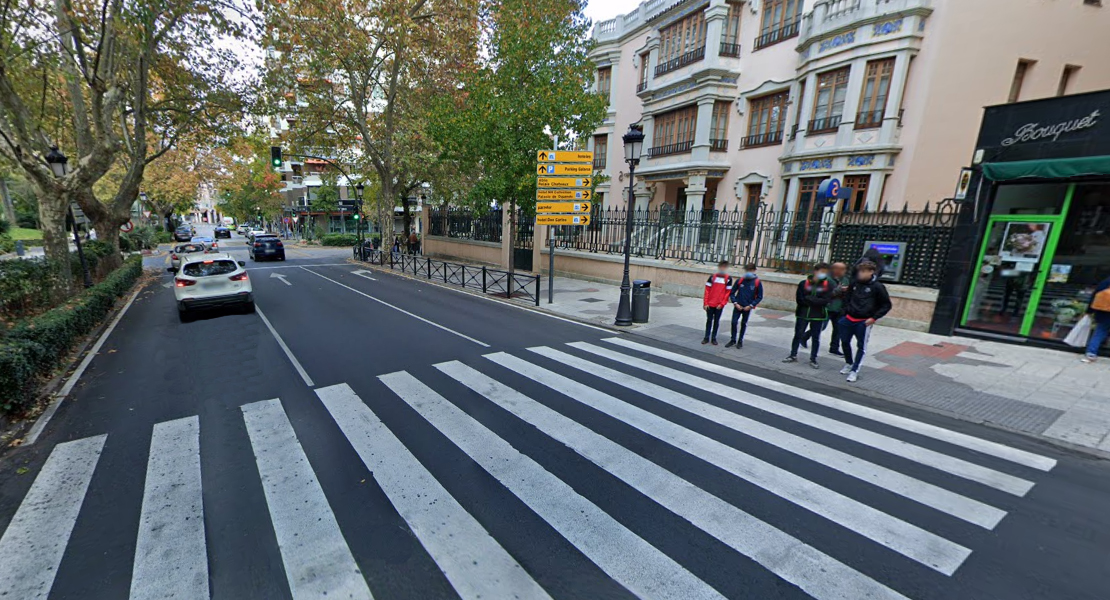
717, 291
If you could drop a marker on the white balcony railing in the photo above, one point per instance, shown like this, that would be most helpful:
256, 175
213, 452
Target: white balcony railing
832, 15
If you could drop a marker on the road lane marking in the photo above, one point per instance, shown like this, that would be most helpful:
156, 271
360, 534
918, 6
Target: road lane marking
475, 563
619, 552
318, 562
37, 429
254, 268
171, 557
816, 573
364, 273
281, 277
284, 348
32, 547
1014, 455
934, 496
904, 538
398, 309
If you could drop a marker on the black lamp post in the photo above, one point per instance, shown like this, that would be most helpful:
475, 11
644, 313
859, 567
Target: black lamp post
59, 165
358, 220
142, 207
633, 145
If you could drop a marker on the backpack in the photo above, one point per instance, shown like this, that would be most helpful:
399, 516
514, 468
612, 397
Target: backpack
1101, 301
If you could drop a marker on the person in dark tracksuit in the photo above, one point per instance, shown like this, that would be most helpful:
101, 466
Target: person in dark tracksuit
813, 296
865, 302
839, 278
747, 293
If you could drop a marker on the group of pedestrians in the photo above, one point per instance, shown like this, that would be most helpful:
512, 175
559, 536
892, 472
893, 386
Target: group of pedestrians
850, 301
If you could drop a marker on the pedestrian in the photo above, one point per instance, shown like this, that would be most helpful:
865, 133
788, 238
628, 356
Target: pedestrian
838, 277
874, 257
746, 294
813, 296
396, 245
865, 302
1099, 309
414, 243
718, 288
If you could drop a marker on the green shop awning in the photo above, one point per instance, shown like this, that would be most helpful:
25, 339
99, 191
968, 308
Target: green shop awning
1054, 168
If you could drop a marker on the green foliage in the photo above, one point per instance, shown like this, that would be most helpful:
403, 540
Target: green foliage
339, 239
27, 287
140, 238
162, 236
7, 244
252, 187
34, 348
4, 227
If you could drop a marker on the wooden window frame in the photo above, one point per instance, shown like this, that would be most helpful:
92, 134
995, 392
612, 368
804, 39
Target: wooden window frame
645, 58
834, 82
674, 131
858, 201
873, 96
718, 126
604, 80
682, 43
601, 151
806, 226
761, 107
780, 21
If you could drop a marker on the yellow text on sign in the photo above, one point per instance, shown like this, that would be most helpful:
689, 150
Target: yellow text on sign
562, 207
569, 156
565, 170
564, 182
562, 220
563, 195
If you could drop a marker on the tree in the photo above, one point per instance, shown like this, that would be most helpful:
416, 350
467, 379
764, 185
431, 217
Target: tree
251, 188
173, 182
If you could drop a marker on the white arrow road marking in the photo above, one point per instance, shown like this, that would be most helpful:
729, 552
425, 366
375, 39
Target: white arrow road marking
168, 284
364, 273
281, 277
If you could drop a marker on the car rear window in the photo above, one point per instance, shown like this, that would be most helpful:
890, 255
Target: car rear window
209, 268
187, 248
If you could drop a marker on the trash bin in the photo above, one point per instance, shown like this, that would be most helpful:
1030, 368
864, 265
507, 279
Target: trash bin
641, 300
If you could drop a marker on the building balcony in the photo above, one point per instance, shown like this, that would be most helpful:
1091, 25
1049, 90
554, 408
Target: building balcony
669, 149
728, 49
599, 163
869, 119
718, 145
787, 31
829, 16
641, 86
825, 125
688, 58
759, 140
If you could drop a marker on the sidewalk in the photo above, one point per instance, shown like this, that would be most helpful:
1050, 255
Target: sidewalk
1046, 393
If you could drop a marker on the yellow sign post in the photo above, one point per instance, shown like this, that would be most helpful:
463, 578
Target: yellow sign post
562, 207
563, 194
564, 182
565, 156
560, 169
562, 219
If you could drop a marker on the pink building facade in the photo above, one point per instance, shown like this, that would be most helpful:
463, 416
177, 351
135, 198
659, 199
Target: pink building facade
750, 104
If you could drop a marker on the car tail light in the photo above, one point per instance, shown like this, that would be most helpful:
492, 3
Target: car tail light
257, 245
240, 277
184, 282
279, 243
173, 257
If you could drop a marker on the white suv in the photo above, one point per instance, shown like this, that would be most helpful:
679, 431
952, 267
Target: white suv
211, 281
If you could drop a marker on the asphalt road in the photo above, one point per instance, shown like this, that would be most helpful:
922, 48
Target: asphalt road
449, 446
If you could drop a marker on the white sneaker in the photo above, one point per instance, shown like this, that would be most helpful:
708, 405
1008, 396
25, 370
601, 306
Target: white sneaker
1088, 359
847, 369
853, 376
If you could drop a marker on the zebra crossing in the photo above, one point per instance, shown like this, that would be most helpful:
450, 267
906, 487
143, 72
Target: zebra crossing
664, 400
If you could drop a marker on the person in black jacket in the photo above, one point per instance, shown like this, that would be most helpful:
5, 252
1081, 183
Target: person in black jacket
813, 297
747, 293
865, 302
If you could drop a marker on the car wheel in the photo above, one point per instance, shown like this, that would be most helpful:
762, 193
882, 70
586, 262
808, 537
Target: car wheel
184, 316
282, 257
249, 308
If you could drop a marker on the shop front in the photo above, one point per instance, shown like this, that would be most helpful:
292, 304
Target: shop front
1037, 217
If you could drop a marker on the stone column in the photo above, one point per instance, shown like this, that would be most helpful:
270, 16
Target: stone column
715, 16
506, 235
856, 79
702, 129
648, 121
894, 97
803, 106
875, 188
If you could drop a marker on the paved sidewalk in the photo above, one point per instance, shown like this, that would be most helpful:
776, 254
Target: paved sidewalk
1046, 393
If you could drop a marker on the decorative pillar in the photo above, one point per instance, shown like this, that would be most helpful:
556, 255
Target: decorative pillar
875, 187
856, 78
715, 16
648, 121
804, 110
702, 129
894, 97
539, 245
506, 235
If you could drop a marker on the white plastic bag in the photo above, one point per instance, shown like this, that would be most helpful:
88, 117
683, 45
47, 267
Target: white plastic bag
1080, 333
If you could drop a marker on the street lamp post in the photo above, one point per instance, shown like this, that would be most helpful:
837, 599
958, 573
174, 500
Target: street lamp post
358, 220
633, 145
59, 165
142, 208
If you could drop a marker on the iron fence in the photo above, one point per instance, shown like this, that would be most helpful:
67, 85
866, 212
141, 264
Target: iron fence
465, 224
495, 282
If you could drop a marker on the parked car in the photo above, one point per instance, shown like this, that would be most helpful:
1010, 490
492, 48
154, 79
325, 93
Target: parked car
221, 232
210, 244
207, 281
183, 234
243, 229
266, 246
183, 249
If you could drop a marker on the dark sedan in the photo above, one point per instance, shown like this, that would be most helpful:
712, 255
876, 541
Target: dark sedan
183, 234
222, 232
266, 246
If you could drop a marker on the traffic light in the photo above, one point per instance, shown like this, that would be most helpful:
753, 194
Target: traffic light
357, 216
275, 157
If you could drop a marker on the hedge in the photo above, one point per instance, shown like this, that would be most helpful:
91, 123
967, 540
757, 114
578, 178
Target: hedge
34, 348
339, 239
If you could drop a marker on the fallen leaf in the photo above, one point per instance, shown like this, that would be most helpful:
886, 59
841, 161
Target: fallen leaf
111, 351
22, 471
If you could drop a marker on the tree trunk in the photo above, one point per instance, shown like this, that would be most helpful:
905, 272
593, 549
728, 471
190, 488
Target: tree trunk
111, 236
55, 240
406, 216
6, 198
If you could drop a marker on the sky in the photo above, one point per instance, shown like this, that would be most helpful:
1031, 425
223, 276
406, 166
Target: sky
603, 10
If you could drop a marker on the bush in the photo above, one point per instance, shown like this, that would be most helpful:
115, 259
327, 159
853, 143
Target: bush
27, 219
5, 227
35, 347
26, 287
7, 244
162, 237
339, 239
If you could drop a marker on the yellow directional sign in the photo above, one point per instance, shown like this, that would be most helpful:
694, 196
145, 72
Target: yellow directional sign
563, 194
562, 207
565, 170
566, 156
562, 220
564, 182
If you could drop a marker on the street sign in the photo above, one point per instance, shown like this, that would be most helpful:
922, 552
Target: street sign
562, 207
127, 227
831, 191
566, 156
564, 182
565, 170
562, 220
563, 194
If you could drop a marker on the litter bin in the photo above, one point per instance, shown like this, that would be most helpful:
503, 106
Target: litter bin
641, 300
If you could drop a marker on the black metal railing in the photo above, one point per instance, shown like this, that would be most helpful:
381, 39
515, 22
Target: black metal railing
677, 148
775, 240
773, 37
495, 282
824, 125
728, 49
599, 162
869, 118
718, 145
465, 224
641, 86
678, 62
761, 139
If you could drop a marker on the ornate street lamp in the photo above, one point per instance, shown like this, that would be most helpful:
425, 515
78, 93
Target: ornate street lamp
633, 145
59, 164
358, 220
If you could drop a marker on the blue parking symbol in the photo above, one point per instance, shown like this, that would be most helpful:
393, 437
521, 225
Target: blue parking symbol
551, 169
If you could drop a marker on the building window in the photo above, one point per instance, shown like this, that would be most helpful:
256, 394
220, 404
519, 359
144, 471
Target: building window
681, 43
807, 214
644, 58
781, 19
1065, 79
718, 126
604, 80
601, 151
858, 184
766, 120
1020, 72
674, 131
730, 36
828, 102
752, 194
876, 88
